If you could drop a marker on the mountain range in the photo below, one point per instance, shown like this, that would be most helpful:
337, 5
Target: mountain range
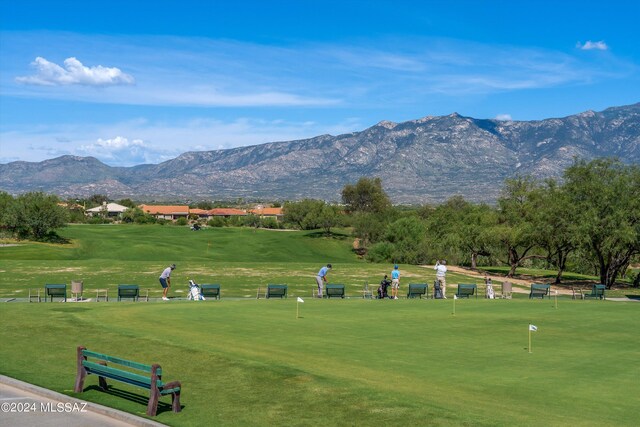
420, 161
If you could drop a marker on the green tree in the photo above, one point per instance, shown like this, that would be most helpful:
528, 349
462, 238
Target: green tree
554, 221
515, 231
605, 194
329, 217
303, 213
367, 195
36, 216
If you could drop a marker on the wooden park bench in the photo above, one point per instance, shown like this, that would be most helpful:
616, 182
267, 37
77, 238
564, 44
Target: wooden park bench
539, 290
137, 374
577, 293
210, 291
334, 291
465, 290
276, 291
417, 290
57, 291
128, 291
597, 292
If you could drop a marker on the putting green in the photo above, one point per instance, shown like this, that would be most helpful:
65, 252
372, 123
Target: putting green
348, 362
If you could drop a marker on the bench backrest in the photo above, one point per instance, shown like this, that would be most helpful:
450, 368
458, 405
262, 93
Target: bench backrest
56, 289
417, 288
465, 289
276, 291
334, 290
210, 290
539, 288
128, 291
137, 374
598, 290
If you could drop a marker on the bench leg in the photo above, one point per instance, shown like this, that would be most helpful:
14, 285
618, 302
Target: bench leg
152, 407
175, 397
82, 372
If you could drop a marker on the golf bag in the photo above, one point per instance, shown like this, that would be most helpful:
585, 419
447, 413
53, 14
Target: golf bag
194, 292
382, 289
437, 290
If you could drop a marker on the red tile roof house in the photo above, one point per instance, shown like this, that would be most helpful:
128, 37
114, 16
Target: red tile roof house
227, 212
171, 212
268, 212
217, 212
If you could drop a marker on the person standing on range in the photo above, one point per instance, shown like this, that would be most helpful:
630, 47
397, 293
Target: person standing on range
321, 278
165, 280
395, 282
441, 271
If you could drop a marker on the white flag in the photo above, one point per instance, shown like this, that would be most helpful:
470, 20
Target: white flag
533, 328
455, 296
300, 299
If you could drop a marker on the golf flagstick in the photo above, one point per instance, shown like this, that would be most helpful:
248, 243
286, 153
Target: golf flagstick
298, 301
455, 297
532, 328
556, 298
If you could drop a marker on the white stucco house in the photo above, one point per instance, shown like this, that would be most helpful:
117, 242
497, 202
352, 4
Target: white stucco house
110, 210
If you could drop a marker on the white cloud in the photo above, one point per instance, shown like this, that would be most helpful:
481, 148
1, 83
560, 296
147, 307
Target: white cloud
74, 73
589, 45
504, 117
119, 150
118, 143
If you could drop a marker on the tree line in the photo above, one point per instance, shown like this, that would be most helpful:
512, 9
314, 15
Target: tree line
588, 222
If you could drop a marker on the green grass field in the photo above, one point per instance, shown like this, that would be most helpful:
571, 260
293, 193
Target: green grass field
343, 362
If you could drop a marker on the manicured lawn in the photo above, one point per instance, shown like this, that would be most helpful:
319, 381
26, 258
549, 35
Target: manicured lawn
240, 259
348, 362
247, 361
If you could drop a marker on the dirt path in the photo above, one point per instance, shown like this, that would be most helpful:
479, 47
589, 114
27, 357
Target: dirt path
494, 278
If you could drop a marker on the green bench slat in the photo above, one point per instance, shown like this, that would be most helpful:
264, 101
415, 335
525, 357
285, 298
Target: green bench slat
55, 290
210, 290
539, 290
417, 289
119, 361
597, 292
466, 290
334, 290
277, 291
118, 374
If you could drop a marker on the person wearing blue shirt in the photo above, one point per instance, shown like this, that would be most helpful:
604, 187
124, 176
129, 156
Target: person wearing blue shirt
321, 278
395, 282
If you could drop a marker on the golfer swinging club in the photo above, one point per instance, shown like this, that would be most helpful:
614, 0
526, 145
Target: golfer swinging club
165, 280
321, 278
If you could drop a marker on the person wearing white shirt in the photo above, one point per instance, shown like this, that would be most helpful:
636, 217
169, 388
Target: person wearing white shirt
441, 271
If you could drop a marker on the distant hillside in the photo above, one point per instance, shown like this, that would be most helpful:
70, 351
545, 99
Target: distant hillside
420, 161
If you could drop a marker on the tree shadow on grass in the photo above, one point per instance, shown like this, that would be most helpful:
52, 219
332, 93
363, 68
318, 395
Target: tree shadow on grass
322, 234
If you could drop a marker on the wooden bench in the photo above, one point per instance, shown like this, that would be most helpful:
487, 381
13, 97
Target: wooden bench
210, 290
597, 292
34, 293
137, 374
466, 290
58, 291
128, 291
334, 290
577, 293
539, 290
417, 290
276, 291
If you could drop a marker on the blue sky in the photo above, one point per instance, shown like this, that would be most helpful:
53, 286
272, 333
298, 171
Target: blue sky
133, 82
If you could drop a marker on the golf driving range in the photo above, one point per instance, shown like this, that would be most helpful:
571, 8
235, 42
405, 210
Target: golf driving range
353, 361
